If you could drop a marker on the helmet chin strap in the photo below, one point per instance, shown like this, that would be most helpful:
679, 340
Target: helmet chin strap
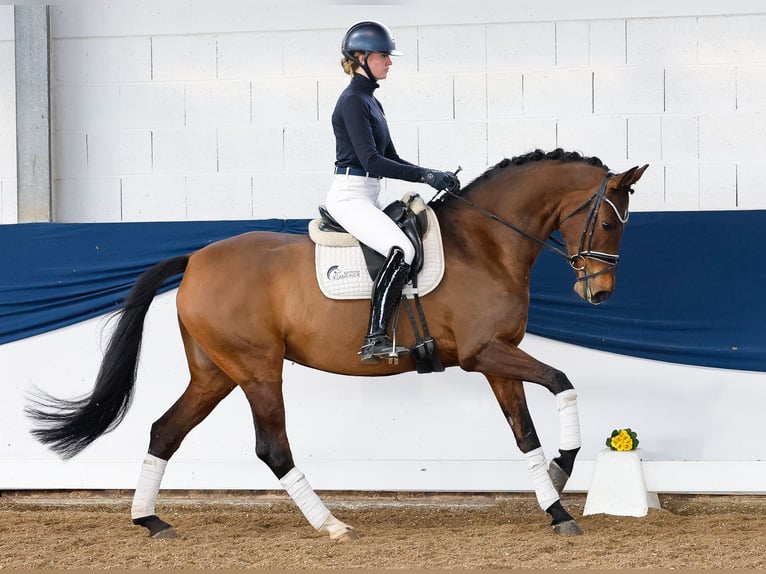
366, 67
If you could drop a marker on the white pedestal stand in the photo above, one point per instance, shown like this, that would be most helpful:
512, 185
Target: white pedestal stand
617, 486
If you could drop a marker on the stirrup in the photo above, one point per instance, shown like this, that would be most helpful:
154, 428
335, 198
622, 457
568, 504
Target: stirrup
380, 347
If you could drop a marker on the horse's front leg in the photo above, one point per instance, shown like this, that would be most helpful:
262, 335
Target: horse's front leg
498, 358
510, 395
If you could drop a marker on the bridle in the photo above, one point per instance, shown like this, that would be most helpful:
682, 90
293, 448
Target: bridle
577, 261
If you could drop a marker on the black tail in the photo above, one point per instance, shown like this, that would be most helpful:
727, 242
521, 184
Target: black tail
68, 426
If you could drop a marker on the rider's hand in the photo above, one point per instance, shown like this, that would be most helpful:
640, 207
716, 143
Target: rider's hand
440, 180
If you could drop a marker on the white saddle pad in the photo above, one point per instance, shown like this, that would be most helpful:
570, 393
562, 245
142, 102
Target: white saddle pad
342, 271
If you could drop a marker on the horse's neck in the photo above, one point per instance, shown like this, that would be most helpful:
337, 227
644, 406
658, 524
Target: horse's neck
529, 205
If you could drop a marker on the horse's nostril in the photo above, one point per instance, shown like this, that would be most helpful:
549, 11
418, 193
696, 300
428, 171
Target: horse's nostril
601, 296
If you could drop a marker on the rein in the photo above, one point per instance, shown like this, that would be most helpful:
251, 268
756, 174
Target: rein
558, 247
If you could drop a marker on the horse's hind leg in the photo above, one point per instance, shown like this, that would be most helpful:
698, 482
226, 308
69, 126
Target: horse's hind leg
510, 395
208, 386
273, 448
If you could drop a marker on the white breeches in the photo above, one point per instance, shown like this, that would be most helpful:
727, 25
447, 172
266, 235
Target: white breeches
354, 203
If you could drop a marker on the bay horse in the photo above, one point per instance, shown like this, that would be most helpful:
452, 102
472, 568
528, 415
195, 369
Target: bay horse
248, 303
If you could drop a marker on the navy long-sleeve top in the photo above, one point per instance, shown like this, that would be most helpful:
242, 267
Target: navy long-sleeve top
362, 139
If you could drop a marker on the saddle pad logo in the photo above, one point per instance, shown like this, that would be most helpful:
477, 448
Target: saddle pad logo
335, 273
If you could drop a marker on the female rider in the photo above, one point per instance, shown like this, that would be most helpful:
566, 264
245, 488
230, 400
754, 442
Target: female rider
364, 155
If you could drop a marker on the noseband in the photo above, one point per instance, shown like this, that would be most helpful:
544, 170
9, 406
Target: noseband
585, 250
578, 261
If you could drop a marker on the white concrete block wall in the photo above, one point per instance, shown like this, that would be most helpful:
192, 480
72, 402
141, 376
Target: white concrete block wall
186, 96
8, 213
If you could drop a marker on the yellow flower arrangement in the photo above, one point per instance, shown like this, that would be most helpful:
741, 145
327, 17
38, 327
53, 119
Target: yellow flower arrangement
622, 440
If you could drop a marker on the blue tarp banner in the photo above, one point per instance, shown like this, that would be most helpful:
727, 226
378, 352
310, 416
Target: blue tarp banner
689, 284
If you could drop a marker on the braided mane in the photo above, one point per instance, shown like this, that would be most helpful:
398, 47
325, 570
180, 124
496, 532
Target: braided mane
539, 155
533, 156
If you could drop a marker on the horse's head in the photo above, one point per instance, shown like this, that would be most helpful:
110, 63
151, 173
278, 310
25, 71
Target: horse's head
592, 229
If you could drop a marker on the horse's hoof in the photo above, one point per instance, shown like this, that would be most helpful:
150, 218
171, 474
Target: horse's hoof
558, 476
348, 536
567, 528
165, 534
157, 528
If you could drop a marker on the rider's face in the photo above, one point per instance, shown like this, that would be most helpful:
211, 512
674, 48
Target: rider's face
379, 65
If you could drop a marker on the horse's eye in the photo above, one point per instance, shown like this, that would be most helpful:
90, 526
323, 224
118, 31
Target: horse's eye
606, 226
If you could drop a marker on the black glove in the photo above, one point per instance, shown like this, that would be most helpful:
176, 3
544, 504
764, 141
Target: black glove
440, 180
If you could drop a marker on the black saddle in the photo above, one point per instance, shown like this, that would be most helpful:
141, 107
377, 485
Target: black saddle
413, 223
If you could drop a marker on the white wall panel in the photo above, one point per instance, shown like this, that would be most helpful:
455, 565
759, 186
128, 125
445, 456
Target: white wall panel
102, 60
275, 197
506, 138
602, 136
184, 151
718, 185
735, 137
309, 147
284, 101
91, 200
70, 155
79, 107
554, 92
471, 95
651, 191
8, 201
751, 88
219, 197
681, 185
572, 44
144, 196
644, 138
452, 49
522, 46
309, 54
119, 152
420, 98
218, 104
628, 91
750, 193
7, 152
733, 39
251, 148
607, 43
505, 95
662, 42
251, 55
154, 105
699, 89
680, 138
8, 186
276, 69
184, 58
445, 145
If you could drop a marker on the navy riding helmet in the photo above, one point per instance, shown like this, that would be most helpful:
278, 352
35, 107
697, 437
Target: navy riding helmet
368, 37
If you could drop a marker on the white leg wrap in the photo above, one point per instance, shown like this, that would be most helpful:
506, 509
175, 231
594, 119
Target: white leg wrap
145, 497
569, 421
305, 498
544, 489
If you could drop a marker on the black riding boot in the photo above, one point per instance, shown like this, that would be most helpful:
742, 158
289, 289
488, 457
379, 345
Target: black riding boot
386, 292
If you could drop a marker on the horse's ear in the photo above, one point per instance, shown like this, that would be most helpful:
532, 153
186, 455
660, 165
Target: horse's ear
628, 178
